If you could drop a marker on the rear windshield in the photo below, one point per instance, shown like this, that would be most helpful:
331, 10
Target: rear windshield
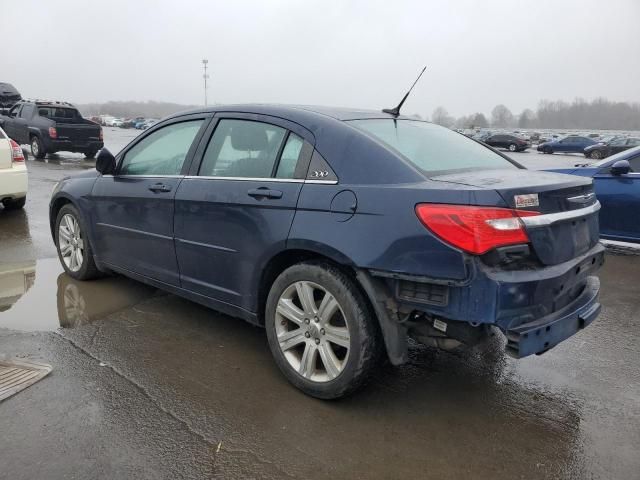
432, 148
58, 112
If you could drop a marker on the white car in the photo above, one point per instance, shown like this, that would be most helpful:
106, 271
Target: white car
13, 174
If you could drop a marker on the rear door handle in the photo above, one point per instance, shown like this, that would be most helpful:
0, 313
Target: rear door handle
160, 187
264, 192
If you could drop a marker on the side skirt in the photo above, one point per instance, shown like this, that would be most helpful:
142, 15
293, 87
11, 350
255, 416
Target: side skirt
222, 307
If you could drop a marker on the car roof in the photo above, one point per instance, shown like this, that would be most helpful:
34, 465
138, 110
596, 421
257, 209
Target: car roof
294, 112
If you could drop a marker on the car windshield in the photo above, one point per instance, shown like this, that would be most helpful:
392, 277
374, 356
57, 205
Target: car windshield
432, 148
624, 155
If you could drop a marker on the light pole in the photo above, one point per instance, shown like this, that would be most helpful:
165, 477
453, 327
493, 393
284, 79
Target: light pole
205, 76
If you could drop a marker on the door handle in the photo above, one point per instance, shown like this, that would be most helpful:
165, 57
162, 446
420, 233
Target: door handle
264, 192
160, 187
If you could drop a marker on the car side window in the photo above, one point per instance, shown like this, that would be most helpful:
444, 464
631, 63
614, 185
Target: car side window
26, 111
290, 156
163, 152
242, 148
14, 111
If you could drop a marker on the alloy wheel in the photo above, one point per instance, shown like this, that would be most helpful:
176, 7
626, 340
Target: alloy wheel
312, 331
70, 242
35, 147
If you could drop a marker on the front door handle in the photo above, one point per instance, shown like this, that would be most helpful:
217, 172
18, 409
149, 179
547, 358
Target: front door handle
160, 187
264, 192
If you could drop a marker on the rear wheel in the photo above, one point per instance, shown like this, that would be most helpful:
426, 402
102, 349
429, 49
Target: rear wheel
513, 147
321, 331
74, 250
37, 149
596, 155
15, 203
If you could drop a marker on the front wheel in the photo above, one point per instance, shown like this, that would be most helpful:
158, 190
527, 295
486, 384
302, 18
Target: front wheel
74, 250
596, 155
321, 331
513, 147
37, 149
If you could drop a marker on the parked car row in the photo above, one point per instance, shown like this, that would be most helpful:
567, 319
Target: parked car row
140, 123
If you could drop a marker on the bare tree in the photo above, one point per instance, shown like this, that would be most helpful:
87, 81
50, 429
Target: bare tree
526, 119
501, 116
442, 117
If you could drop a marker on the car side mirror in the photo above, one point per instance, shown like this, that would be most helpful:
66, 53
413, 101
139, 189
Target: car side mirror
621, 167
105, 162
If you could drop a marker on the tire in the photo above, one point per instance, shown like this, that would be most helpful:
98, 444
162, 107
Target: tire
351, 361
513, 147
596, 155
37, 149
15, 204
71, 223
547, 150
90, 154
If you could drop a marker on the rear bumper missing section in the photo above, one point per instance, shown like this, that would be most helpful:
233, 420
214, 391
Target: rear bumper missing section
544, 333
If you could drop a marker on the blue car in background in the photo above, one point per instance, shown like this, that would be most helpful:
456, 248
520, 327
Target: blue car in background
342, 232
617, 186
570, 144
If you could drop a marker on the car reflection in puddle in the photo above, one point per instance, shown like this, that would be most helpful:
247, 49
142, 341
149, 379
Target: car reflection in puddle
39, 296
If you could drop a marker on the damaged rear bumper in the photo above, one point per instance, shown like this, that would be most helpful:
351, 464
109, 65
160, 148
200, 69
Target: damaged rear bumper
544, 333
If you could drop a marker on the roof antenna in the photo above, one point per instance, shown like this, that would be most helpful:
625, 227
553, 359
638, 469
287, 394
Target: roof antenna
396, 111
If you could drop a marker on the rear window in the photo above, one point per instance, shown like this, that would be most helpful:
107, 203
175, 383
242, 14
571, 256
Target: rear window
432, 148
58, 112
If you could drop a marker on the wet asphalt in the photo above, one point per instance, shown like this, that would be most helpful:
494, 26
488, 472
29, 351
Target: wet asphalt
148, 385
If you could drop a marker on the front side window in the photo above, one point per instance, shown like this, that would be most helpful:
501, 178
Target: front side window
163, 152
242, 148
432, 148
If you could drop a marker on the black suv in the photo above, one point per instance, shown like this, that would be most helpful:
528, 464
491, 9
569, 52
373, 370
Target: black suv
51, 127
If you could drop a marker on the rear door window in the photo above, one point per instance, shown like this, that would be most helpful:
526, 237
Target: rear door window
246, 149
162, 152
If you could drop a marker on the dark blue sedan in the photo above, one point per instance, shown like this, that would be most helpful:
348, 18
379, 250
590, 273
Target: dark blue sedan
617, 186
342, 232
570, 144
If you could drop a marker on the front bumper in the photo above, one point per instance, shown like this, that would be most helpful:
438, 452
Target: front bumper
544, 333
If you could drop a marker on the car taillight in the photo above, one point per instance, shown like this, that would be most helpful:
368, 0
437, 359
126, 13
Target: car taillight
101, 135
53, 133
16, 152
475, 230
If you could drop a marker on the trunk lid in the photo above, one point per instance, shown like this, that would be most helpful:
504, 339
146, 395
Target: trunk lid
548, 193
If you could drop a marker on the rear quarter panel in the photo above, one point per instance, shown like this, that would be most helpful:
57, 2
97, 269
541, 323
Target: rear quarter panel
384, 233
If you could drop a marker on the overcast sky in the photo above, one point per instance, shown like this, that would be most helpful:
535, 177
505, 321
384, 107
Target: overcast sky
344, 53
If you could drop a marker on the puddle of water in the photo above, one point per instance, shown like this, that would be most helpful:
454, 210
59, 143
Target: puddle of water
39, 296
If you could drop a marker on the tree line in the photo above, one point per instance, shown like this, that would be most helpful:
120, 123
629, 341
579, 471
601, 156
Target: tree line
598, 114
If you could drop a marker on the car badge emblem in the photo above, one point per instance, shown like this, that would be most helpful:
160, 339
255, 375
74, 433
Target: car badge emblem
528, 200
